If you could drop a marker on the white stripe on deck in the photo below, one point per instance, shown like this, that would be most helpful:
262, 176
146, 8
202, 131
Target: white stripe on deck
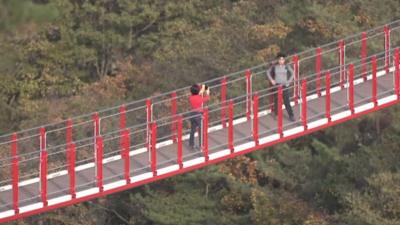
87, 192
168, 169
28, 208
317, 123
193, 162
61, 199
219, 154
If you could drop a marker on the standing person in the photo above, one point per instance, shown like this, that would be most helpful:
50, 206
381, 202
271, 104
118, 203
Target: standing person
196, 101
281, 74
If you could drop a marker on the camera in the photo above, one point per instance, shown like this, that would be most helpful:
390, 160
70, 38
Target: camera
205, 87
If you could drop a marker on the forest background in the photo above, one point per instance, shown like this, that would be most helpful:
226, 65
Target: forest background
57, 55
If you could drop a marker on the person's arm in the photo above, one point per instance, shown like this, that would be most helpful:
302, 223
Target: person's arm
291, 75
269, 75
206, 97
202, 89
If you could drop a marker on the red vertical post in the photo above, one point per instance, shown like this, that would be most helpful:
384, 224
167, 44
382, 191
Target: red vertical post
99, 162
149, 119
43, 177
223, 102
296, 79
397, 73
42, 138
249, 94
387, 48
15, 172
173, 114
318, 71
328, 96
351, 88
96, 128
364, 54
374, 81
96, 121
280, 113
180, 142
43, 166
154, 148
122, 118
304, 103
230, 129
71, 168
69, 131
205, 134
71, 159
255, 119
122, 126
342, 63
125, 155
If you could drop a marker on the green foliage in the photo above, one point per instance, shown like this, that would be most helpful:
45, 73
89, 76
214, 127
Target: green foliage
378, 204
55, 56
14, 14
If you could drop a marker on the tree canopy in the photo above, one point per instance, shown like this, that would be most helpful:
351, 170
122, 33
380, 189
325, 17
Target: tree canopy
66, 53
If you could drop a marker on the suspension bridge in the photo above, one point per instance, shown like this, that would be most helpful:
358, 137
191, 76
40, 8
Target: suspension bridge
100, 153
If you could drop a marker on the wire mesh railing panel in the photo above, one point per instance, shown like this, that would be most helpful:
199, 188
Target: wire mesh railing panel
83, 130
85, 151
110, 124
112, 144
29, 156
135, 117
57, 159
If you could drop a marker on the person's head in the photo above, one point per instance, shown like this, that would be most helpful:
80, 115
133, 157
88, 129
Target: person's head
280, 57
195, 89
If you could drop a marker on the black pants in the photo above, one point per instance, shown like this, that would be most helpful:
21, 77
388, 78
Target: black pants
286, 100
195, 122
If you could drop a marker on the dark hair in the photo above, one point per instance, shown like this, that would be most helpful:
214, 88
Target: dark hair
280, 55
195, 89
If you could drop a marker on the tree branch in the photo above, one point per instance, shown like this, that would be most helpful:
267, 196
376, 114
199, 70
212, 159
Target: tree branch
110, 210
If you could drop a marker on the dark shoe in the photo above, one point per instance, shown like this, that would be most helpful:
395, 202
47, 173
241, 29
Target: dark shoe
291, 118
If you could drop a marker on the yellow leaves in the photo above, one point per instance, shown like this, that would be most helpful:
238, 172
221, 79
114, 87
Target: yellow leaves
263, 210
313, 26
267, 53
242, 169
217, 23
314, 219
257, 195
364, 19
268, 32
235, 202
284, 208
36, 46
107, 87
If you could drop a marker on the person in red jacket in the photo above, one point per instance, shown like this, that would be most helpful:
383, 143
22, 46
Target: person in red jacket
200, 95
